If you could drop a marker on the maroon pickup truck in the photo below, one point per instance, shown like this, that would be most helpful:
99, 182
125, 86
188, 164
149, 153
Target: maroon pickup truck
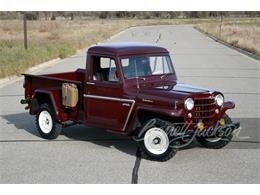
131, 89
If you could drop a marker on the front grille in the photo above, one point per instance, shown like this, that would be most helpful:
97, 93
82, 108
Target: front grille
204, 109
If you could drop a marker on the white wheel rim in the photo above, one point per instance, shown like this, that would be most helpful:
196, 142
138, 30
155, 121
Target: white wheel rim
45, 122
156, 141
212, 140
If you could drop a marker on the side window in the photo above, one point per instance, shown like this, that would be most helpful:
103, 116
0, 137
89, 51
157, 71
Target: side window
104, 62
104, 69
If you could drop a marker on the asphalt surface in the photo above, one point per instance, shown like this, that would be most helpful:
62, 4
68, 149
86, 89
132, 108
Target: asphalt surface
88, 155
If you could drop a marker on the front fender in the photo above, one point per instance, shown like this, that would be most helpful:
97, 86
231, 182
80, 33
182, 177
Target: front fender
227, 105
159, 110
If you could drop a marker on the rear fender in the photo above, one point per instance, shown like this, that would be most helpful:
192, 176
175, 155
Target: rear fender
51, 97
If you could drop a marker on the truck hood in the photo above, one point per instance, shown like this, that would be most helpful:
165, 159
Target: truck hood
164, 94
186, 88
178, 88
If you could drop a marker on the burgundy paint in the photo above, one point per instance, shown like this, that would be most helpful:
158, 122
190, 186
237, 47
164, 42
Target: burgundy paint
111, 114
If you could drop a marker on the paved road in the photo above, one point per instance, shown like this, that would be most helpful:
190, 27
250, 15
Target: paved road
88, 155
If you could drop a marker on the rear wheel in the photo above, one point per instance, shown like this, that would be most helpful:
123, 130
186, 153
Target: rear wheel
46, 123
155, 143
217, 142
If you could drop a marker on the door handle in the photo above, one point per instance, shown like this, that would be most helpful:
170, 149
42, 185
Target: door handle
90, 83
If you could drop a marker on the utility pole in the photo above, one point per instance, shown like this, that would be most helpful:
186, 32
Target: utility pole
25, 31
220, 27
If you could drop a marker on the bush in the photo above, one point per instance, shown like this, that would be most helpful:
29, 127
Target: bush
103, 15
66, 51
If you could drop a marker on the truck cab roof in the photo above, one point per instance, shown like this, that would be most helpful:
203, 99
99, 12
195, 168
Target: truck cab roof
127, 48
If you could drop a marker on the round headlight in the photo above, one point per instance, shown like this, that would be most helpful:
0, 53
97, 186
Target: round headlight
189, 104
219, 99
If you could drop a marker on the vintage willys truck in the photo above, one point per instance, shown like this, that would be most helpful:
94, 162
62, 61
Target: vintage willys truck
124, 87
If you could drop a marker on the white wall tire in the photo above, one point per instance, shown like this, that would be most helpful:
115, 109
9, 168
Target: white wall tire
46, 123
213, 140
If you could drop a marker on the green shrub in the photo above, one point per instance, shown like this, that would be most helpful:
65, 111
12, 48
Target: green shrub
65, 51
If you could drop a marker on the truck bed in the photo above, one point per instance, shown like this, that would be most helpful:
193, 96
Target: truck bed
76, 77
53, 83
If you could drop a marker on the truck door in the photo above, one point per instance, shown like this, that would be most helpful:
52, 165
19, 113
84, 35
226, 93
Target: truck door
104, 102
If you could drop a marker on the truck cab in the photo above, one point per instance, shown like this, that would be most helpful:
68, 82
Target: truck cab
131, 89
116, 75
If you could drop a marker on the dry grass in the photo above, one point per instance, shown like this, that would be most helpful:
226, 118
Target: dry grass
52, 39
244, 34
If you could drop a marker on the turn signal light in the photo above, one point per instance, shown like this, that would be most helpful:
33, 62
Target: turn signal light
200, 125
222, 122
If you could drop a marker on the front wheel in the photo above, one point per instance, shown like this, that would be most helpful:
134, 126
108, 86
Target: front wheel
218, 142
46, 124
155, 143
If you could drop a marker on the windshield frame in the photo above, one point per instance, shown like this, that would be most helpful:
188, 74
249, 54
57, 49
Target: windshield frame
168, 59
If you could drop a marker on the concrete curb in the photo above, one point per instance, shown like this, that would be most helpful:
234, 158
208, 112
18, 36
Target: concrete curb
51, 63
256, 57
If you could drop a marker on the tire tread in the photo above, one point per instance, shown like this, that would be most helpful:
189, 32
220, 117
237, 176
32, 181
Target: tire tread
219, 144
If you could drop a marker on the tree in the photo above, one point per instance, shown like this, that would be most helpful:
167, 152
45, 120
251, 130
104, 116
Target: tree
103, 14
172, 14
53, 16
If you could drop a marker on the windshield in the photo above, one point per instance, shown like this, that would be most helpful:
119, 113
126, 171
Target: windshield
143, 66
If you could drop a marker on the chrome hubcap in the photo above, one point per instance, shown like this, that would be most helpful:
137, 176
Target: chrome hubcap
156, 140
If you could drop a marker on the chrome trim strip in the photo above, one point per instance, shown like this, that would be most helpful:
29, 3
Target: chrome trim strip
90, 83
129, 113
115, 99
146, 100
